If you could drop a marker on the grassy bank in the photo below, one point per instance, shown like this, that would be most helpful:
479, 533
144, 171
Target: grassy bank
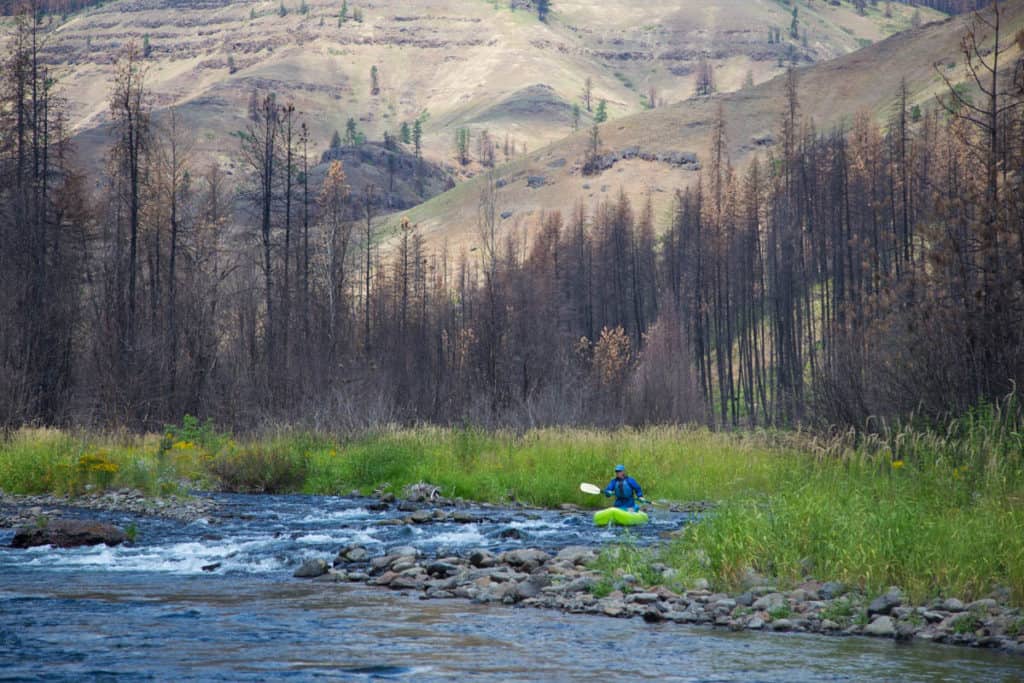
932, 513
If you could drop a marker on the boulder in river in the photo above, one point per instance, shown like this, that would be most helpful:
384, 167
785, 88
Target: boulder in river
68, 533
311, 569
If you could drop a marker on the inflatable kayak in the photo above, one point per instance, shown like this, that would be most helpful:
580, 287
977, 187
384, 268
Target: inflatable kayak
620, 517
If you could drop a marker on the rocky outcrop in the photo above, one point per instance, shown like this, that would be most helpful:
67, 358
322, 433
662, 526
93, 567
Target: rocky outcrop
68, 533
685, 160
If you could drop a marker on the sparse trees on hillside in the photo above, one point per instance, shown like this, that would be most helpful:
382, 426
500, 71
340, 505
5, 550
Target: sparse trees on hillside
374, 81
601, 115
352, 134
825, 282
588, 90
705, 82
417, 139
575, 118
462, 141
591, 163
335, 141
794, 25
404, 134
485, 148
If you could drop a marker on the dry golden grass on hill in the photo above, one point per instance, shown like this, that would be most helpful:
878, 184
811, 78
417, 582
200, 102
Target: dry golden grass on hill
454, 62
831, 94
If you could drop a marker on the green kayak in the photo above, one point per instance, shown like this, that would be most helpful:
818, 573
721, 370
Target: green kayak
620, 517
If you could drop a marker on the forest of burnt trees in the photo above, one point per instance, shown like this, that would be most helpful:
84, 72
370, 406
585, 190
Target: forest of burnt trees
870, 271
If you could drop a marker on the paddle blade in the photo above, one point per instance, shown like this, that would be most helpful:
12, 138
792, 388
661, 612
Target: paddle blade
589, 488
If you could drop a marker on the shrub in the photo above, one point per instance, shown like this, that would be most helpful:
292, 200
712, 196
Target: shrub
258, 469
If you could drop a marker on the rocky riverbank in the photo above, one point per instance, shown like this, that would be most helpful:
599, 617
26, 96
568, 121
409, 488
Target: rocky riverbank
566, 581
18, 511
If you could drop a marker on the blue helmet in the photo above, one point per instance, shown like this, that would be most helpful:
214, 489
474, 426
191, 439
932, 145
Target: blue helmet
620, 468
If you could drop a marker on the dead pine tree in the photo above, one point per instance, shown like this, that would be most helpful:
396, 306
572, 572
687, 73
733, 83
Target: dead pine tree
259, 146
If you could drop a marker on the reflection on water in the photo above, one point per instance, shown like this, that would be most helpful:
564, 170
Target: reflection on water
66, 615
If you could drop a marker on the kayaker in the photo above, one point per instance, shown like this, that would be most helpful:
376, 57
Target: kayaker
625, 488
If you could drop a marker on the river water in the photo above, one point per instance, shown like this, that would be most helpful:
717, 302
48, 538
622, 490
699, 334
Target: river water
215, 600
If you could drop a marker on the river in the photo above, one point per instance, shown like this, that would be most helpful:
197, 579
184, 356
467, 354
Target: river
215, 600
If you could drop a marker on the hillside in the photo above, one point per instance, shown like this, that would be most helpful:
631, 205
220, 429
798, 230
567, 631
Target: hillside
449, 62
657, 152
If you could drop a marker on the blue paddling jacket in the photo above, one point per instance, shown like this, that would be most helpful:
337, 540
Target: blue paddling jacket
625, 490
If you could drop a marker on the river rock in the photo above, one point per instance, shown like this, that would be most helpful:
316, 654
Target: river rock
352, 553
311, 569
829, 625
831, 590
614, 608
769, 602
527, 559
643, 598
463, 517
952, 605
576, 554
782, 625
884, 604
882, 627
68, 533
652, 615
482, 558
983, 605
421, 516
381, 562
442, 569
531, 588
755, 623
404, 551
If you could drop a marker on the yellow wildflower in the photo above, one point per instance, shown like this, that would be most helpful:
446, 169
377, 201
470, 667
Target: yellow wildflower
896, 464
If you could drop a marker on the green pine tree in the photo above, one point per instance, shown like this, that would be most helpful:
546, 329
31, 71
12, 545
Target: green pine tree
601, 115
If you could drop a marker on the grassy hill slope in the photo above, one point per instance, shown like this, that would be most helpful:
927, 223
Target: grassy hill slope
831, 94
450, 62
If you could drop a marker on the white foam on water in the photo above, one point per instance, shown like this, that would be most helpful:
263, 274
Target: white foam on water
254, 555
318, 538
466, 535
335, 515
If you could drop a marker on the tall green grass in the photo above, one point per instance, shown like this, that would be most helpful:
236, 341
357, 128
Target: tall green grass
36, 461
545, 467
